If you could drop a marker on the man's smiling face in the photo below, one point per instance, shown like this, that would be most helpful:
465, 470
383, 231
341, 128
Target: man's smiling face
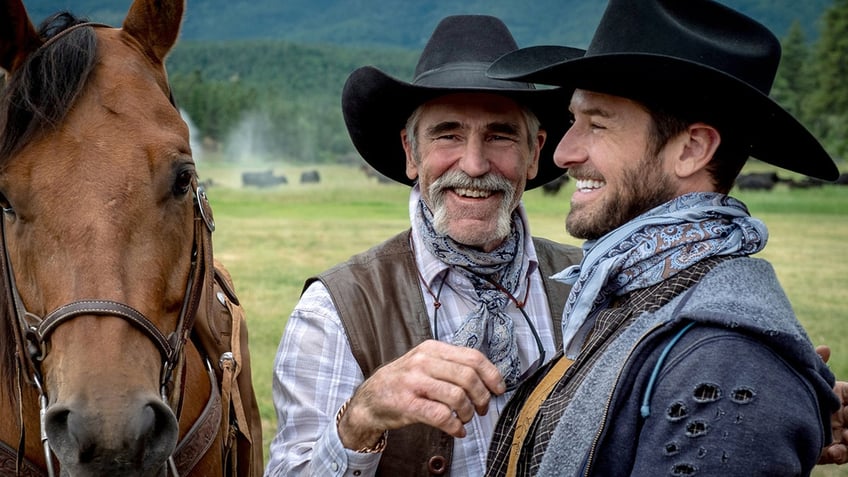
472, 161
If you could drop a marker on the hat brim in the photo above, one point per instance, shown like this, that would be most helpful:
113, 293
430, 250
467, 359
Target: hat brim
376, 107
773, 135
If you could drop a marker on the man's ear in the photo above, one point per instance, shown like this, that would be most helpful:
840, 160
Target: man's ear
411, 165
533, 168
700, 143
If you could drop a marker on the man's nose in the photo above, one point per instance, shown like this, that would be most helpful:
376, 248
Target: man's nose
474, 161
570, 150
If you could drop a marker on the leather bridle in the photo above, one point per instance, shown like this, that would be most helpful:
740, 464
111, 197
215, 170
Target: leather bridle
32, 333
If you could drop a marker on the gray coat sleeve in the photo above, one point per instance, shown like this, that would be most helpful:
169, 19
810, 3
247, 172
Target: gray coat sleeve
725, 404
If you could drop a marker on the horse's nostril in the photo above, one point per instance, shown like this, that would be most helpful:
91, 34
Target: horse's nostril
159, 429
57, 427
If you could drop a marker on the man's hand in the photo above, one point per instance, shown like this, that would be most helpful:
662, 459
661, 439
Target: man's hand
837, 451
435, 383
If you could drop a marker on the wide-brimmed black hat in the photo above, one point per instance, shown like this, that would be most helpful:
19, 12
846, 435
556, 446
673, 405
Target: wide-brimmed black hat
376, 106
695, 57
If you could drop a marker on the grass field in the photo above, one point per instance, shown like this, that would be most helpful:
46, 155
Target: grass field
272, 239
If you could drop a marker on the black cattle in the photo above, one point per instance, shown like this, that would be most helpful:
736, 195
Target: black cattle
758, 181
553, 187
806, 183
262, 179
312, 176
371, 172
843, 179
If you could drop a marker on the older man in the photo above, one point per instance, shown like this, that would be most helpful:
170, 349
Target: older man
399, 360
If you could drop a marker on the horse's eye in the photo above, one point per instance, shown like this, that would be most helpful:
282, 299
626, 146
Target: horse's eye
183, 183
8, 210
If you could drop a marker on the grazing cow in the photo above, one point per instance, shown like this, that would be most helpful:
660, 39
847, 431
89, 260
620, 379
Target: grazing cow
371, 172
806, 183
310, 177
843, 179
262, 179
553, 187
758, 181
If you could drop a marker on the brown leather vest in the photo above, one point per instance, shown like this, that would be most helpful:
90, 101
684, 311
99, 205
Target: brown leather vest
381, 306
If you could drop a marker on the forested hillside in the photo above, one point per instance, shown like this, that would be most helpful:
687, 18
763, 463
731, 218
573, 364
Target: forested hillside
263, 78
273, 99
403, 23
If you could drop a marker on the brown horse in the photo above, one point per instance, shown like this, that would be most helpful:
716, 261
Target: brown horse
115, 322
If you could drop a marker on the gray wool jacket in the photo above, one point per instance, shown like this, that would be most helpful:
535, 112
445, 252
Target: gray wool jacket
722, 381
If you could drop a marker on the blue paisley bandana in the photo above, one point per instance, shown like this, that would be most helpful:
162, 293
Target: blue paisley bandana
651, 248
487, 327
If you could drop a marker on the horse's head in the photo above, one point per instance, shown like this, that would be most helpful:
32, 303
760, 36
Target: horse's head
98, 192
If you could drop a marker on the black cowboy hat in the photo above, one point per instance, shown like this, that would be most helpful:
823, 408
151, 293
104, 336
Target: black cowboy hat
376, 106
707, 60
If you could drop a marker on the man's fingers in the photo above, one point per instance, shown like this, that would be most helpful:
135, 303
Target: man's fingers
435, 383
472, 359
841, 390
834, 454
438, 415
824, 352
461, 383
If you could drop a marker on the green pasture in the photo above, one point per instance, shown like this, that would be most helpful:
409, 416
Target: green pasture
272, 239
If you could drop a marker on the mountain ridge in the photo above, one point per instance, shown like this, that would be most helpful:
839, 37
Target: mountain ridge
403, 24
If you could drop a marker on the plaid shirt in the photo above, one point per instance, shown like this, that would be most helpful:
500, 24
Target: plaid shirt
610, 322
315, 372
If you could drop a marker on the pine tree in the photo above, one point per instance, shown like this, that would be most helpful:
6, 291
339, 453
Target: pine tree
793, 82
826, 109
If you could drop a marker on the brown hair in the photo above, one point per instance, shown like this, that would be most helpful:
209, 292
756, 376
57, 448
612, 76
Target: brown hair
728, 159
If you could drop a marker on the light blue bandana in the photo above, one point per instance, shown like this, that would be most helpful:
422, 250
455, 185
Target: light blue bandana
487, 327
651, 248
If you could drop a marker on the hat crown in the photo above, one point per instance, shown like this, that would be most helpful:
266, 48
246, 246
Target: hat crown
461, 49
698, 31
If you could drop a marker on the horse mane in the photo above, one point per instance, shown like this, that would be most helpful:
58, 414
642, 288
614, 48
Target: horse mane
36, 97
39, 94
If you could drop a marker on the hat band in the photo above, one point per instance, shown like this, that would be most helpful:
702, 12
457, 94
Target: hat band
466, 75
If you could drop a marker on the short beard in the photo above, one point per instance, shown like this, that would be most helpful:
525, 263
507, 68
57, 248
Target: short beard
457, 179
645, 186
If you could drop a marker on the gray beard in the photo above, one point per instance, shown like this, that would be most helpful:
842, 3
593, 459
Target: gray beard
458, 179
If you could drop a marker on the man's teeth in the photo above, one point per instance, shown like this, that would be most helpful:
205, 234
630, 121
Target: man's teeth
585, 184
476, 193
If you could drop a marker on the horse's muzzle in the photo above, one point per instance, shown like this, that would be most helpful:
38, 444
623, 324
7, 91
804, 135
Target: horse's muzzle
135, 440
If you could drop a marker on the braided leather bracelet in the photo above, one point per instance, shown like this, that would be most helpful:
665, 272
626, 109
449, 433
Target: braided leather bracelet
378, 447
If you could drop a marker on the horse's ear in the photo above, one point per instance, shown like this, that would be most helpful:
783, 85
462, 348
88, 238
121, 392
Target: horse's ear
18, 37
155, 24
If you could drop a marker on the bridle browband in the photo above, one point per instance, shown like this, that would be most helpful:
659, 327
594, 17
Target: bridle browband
32, 332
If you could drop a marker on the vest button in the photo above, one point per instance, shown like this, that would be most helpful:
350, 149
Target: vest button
437, 465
